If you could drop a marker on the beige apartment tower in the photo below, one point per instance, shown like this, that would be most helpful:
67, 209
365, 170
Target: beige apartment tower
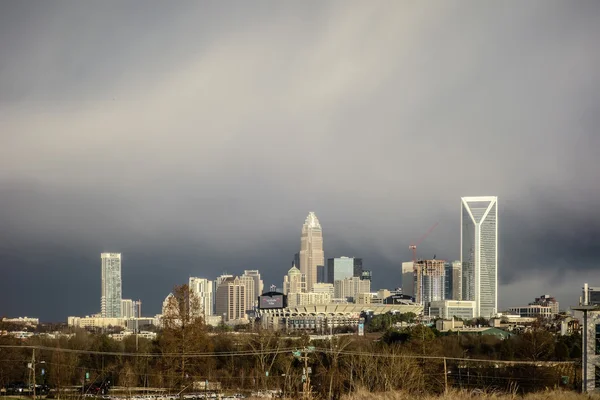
311, 249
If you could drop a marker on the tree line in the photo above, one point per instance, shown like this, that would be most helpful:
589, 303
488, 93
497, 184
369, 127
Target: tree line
186, 351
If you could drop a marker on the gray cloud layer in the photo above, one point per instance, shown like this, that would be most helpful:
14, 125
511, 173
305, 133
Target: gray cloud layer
196, 138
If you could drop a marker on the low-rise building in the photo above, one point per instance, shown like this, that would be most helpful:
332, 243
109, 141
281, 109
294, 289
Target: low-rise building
301, 299
448, 309
27, 321
532, 311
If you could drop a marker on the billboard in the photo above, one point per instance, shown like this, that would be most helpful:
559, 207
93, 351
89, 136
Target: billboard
271, 300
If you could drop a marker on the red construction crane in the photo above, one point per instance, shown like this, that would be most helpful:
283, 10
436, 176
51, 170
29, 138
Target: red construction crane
413, 247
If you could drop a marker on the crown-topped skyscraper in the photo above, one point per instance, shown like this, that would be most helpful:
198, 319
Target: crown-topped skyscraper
311, 249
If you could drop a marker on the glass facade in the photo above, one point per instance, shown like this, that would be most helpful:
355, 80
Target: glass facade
110, 303
339, 268
479, 253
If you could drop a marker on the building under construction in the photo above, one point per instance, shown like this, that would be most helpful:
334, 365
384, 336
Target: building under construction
429, 278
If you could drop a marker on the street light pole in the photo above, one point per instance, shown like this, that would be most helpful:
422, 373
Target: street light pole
33, 370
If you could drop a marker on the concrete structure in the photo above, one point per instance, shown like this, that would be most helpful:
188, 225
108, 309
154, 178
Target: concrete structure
202, 288
350, 288
111, 295
453, 280
532, 311
408, 279
311, 249
339, 268
259, 286
444, 325
367, 298
479, 253
231, 300
590, 348
294, 281
322, 318
429, 281
447, 309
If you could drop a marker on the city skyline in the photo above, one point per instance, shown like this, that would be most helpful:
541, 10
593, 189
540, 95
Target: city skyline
195, 139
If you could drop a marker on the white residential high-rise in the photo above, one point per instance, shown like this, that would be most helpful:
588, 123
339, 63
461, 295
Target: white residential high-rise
311, 249
203, 289
429, 281
251, 297
479, 253
110, 300
127, 309
258, 284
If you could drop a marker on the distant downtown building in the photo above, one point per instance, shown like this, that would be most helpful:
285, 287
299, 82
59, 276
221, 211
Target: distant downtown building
294, 281
408, 279
339, 268
231, 300
258, 284
110, 301
350, 288
453, 276
311, 249
131, 308
479, 253
429, 281
203, 289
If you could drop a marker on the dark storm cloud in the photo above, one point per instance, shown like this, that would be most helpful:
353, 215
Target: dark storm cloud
196, 138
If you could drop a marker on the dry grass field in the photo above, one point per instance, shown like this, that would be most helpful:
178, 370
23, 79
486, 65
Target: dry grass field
466, 395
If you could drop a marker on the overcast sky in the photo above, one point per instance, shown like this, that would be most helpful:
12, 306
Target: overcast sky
195, 137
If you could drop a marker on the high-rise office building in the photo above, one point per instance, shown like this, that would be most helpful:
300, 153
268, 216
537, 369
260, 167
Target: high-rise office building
321, 274
110, 301
294, 281
358, 267
350, 288
408, 279
216, 284
453, 280
339, 268
251, 296
231, 300
429, 281
311, 249
479, 253
258, 284
202, 288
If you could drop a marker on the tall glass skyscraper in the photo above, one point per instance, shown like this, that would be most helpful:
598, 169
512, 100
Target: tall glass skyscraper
479, 253
311, 249
110, 301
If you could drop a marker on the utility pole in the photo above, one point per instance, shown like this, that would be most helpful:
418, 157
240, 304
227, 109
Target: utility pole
303, 355
33, 370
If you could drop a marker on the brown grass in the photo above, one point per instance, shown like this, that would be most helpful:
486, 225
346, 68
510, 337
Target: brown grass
469, 395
